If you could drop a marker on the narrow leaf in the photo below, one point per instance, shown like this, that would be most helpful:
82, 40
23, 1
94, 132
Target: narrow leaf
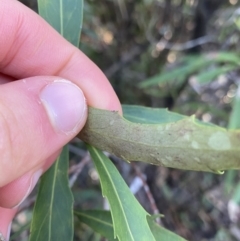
53, 214
208, 76
178, 74
99, 220
145, 115
162, 234
66, 16
234, 122
148, 115
185, 144
189, 65
129, 218
236, 194
225, 57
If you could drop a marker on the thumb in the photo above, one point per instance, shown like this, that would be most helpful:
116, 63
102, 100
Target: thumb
37, 117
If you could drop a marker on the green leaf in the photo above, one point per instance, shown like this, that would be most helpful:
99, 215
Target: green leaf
99, 220
179, 74
146, 115
185, 144
191, 64
129, 218
53, 211
230, 181
236, 195
162, 234
225, 57
210, 75
66, 16
234, 122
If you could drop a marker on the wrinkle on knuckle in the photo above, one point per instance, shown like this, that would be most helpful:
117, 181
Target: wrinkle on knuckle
67, 63
10, 30
10, 139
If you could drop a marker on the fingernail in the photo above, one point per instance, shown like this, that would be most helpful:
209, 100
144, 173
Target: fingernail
34, 179
65, 105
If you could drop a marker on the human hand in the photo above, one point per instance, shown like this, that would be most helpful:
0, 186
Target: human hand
39, 114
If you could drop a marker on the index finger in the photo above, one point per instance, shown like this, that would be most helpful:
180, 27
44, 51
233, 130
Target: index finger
29, 46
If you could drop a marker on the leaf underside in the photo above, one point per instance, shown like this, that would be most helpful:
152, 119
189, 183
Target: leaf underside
53, 211
177, 141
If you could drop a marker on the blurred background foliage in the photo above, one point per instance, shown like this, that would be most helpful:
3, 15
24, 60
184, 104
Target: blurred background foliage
177, 54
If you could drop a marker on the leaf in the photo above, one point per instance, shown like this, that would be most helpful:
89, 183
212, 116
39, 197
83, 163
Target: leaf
99, 220
145, 115
129, 218
189, 65
162, 234
53, 214
179, 73
225, 57
208, 76
66, 16
236, 194
234, 122
185, 144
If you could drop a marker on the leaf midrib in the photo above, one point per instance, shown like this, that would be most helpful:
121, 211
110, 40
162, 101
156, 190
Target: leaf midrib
52, 198
123, 211
95, 219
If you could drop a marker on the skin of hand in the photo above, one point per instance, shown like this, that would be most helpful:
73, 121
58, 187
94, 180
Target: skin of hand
39, 112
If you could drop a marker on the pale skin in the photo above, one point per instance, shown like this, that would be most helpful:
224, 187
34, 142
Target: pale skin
32, 54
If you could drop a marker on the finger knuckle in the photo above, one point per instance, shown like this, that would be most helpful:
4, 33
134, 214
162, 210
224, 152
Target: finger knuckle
9, 138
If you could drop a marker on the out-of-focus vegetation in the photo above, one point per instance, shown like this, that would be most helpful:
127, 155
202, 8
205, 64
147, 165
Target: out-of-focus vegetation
179, 54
